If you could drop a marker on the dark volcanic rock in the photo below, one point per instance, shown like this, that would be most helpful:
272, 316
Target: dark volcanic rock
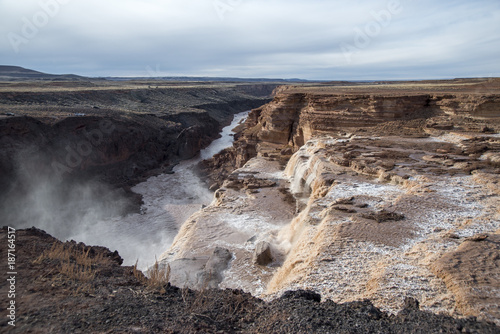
116, 299
117, 144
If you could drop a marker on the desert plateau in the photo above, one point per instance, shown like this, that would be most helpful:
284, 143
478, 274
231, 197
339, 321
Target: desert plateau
167, 206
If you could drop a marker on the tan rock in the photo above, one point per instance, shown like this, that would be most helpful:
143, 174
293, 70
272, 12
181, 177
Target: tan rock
472, 273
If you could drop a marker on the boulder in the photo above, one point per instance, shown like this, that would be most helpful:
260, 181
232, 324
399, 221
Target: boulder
263, 255
211, 275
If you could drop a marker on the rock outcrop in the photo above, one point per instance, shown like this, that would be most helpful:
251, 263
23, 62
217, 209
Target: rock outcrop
299, 113
392, 185
339, 193
263, 254
471, 273
379, 219
100, 296
114, 136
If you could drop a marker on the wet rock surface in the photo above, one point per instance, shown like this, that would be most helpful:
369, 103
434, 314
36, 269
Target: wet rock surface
212, 273
390, 184
263, 254
117, 299
246, 213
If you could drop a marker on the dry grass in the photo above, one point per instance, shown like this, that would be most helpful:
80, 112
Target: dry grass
75, 262
80, 273
137, 273
156, 277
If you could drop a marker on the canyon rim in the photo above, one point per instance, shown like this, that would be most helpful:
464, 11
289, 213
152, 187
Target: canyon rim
379, 199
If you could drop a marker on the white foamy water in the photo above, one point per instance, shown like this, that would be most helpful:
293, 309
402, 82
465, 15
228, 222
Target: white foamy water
169, 199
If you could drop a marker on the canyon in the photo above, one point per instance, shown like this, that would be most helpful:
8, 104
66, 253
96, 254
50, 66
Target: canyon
65, 144
375, 192
379, 199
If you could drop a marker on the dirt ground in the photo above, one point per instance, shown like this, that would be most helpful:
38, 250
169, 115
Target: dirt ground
100, 296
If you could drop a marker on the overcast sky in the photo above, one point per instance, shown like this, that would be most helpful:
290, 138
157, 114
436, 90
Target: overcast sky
313, 39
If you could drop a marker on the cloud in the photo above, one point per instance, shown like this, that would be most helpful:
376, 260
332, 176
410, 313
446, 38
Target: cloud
257, 38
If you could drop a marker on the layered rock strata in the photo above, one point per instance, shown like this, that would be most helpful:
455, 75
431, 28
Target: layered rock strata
397, 193
299, 113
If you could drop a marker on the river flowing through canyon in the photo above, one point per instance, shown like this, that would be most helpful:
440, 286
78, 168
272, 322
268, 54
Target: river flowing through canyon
169, 199
379, 193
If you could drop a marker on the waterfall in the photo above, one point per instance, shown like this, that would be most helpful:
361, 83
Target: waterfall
169, 199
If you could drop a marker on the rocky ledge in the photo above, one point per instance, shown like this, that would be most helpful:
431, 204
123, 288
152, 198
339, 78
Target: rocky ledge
300, 113
377, 207
395, 194
73, 288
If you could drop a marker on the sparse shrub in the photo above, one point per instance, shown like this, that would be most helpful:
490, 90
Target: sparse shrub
157, 276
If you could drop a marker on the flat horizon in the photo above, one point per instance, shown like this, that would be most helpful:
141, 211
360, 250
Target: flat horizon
317, 40
248, 78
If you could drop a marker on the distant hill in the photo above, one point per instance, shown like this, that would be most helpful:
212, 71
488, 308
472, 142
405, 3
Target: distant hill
17, 73
206, 79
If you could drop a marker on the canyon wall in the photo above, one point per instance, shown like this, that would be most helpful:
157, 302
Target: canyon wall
117, 133
62, 139
397, 195
299, 113
294, 118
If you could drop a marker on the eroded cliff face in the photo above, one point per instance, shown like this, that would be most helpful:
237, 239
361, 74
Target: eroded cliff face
397, 195
298, 114
292, 119
78, 146
388, 217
